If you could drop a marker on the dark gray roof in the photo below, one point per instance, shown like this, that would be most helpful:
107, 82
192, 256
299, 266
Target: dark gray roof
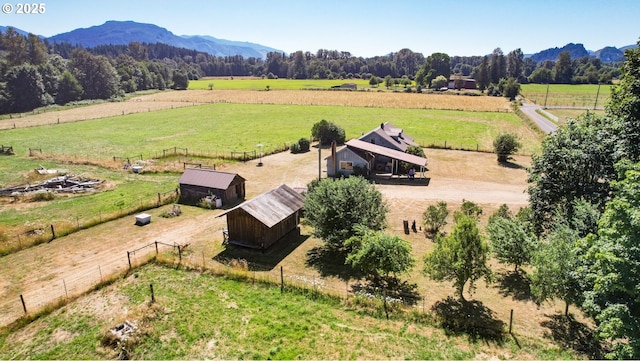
272, 207
387, 152
207, 178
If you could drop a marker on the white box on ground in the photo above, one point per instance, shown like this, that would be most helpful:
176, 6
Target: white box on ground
143, 218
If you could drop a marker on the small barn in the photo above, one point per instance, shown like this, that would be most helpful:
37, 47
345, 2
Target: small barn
199, 183
263, 220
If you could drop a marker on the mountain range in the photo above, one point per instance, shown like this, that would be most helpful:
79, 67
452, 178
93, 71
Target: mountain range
124, 32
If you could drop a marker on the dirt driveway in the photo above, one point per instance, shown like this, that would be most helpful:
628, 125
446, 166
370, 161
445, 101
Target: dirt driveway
74, 264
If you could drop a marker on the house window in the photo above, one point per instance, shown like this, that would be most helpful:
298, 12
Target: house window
346, 165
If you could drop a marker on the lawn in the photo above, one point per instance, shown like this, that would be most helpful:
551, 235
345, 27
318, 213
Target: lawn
198, 316
568, 95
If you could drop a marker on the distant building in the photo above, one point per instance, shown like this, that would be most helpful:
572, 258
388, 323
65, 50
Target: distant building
457, 82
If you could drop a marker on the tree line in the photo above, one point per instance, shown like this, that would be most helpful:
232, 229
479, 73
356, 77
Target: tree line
35, 73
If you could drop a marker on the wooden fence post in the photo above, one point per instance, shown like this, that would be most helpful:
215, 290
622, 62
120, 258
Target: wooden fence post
129, 259
511, 320
153, 296
65, 288
53, 233
24, 307
281, 280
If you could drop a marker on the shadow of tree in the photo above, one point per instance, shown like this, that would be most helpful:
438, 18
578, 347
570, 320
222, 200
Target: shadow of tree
262, 260
570, 333
331, 263
511, 165
515, 284
469, 317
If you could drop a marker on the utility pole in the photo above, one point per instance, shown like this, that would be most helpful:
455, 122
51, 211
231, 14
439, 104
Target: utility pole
319, 159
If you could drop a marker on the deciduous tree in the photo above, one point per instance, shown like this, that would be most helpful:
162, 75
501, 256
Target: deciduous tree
460, 257
97, 76
613, 267
380, 255
327, 132
576, 162
435, 217
505, 145
336, 208
510, 241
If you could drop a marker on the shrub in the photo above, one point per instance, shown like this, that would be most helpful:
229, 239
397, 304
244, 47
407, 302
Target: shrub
295, 148
505, 145
304, 144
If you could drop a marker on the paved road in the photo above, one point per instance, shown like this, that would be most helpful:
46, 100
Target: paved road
543, 123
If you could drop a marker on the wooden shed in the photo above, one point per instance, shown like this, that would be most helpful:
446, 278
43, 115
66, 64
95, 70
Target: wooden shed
198, 183
263, 220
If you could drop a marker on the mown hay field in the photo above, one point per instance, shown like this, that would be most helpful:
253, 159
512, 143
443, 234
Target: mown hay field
254, 83
175, 99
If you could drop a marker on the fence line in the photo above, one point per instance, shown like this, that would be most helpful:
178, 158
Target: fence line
59, 292
47, 233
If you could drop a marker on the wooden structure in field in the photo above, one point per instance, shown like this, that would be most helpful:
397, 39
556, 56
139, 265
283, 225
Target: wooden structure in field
199, 183
263, 220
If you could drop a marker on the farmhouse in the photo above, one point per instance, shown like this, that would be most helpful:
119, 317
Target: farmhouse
197, 183
378, 151
389, 136
263, 220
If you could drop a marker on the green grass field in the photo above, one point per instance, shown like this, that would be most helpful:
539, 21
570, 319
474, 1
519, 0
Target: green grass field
200, 316
244, 83
580, 96
223, 128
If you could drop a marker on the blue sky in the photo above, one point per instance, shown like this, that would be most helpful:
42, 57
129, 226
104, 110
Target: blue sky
363, 27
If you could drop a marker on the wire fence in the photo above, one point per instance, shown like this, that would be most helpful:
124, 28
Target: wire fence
42, 233
387, 303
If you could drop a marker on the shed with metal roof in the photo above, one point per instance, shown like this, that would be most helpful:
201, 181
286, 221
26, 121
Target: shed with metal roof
199, 183
263, 220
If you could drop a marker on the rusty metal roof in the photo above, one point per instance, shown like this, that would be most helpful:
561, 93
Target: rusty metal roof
387, 152
272, 207
208, 178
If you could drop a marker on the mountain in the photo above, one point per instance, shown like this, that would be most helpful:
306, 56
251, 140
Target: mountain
609, 54
3, 29
124, 32
575, 50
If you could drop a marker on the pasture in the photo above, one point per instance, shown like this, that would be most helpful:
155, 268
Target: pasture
583, 96
222, 127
